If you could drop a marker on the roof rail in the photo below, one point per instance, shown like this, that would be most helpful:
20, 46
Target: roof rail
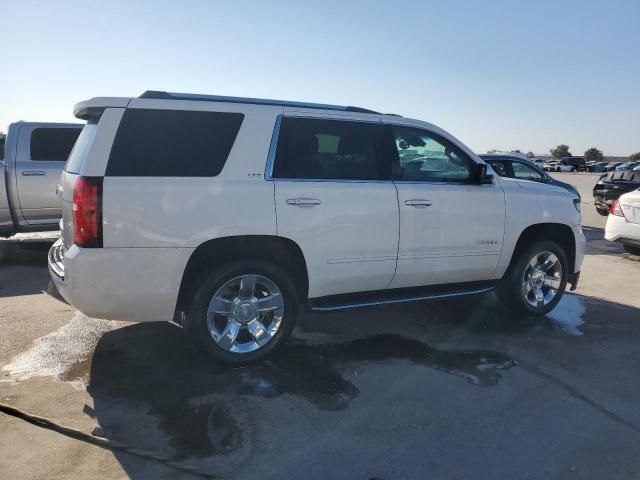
254, 101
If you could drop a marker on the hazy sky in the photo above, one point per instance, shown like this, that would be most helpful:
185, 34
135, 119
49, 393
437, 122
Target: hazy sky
497, 74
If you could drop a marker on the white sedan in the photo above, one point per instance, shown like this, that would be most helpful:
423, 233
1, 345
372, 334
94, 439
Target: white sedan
623, 223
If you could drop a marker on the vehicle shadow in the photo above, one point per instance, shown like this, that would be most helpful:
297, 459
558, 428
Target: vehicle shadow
597, 245
23, 266
154, 392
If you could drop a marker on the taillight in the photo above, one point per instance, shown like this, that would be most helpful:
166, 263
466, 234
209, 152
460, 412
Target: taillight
87, 212
616, 209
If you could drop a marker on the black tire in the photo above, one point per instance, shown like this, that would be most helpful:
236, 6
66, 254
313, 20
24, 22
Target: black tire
602, 211
509, 290
195, 322
633, 250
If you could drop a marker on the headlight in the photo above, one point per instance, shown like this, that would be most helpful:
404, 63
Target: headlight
576, 203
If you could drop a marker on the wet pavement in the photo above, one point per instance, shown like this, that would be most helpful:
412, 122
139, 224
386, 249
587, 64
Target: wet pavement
449, 389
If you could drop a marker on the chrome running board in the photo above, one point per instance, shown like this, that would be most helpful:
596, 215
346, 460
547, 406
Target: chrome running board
331, 304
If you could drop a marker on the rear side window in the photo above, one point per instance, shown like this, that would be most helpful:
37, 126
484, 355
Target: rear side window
319, 149
53, 143
78, 153
172, 143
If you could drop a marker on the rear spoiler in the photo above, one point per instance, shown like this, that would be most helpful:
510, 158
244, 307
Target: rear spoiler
95, 106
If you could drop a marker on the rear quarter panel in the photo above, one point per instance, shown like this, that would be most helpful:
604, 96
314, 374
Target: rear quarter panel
188, 211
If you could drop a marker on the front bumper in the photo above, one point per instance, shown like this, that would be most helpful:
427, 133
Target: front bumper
133, 284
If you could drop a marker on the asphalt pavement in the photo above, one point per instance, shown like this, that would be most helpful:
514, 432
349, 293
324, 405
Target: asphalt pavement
442, 390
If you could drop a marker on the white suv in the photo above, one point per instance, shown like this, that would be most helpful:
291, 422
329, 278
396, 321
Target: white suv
224, 214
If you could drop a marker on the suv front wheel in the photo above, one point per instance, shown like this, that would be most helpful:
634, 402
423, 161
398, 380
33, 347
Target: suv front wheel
242, 311
535, 282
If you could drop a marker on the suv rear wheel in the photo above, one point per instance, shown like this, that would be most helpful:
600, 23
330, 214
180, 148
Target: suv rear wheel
535, 282
242, 311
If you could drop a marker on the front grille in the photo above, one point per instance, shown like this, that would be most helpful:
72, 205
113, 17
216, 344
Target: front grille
56, 258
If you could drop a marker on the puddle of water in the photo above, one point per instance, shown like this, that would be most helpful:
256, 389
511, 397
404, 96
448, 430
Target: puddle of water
568, 314
64, 353
205, 409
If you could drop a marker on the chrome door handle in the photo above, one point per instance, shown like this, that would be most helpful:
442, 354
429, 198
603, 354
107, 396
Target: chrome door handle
59, 190
418, 203
303, 202
33, 173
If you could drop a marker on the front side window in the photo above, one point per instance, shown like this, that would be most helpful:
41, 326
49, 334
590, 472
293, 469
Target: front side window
172, 143
52, 143
499, 167
526, 172
427, 157
319, 149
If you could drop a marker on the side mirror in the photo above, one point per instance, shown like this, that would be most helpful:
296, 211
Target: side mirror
480, 174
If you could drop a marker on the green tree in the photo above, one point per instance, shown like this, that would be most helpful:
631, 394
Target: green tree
634, 156
593, 154
560, 151
530, 155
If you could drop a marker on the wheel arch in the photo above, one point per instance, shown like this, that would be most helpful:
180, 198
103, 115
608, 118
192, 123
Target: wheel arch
557, 232
283, 251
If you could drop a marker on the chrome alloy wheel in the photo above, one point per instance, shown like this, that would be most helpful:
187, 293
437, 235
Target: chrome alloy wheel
245, 313
542, 279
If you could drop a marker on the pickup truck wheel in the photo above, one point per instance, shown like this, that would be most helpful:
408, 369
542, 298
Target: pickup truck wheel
242, 312
602, 211
534, 284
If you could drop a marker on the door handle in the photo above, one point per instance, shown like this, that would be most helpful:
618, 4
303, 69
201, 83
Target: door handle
33, 173
303, 202
418, 203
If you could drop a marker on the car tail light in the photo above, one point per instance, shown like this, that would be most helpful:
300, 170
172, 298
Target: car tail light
616, 209
87, 212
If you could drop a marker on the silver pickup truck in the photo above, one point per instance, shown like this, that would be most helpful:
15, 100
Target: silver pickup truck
34, 155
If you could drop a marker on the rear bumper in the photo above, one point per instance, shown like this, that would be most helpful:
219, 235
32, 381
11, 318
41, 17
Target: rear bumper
618, 229
132, 284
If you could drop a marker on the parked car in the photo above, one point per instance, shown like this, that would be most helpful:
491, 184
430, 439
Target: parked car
596, 167
611, 185
551, 166
514, 167
611, 166
577, 163
627, 166
623, 223
539, 163
34, 155
564, 166
170, 204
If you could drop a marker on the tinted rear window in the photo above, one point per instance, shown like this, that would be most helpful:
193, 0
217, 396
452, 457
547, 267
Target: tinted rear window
2, 140
172, 143
53, 143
